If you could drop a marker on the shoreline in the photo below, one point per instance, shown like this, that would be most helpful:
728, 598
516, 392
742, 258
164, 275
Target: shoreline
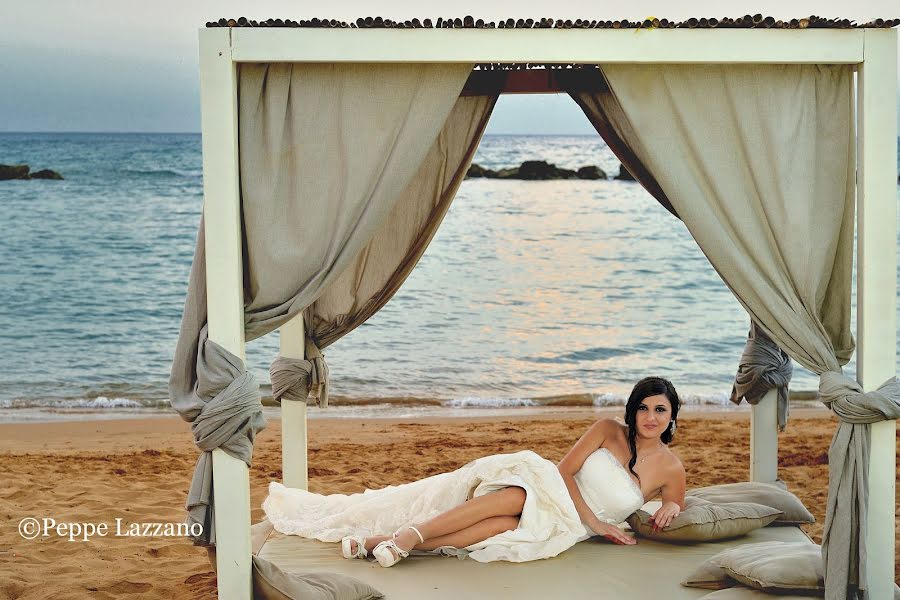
375, 409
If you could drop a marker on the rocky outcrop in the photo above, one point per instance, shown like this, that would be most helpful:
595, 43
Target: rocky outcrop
8, 172
45, 174
624, 174
476, 170
14, 172
536, 170
541, 170
590, 172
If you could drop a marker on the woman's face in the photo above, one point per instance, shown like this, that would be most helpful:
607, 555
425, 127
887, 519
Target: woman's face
653, 416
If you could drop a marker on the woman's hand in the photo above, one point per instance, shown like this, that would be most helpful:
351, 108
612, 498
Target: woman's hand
662, 518
613, 534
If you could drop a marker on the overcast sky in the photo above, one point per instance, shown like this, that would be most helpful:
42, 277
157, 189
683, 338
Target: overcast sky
103, 65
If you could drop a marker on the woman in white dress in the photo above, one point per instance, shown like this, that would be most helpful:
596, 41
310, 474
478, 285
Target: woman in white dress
513, 507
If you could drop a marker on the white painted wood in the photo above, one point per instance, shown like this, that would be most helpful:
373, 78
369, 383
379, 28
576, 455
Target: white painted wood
877, 286
221, 193
221, 210
293, 414
231, 489
764, 439
548, 45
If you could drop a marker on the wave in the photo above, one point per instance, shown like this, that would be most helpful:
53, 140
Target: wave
95, 403
583, 400
475, 402
590, 354
164, 173
574, 400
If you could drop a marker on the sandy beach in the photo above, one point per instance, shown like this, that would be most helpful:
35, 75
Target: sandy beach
138, 471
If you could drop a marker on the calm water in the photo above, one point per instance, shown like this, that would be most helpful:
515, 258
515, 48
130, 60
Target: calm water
529, 289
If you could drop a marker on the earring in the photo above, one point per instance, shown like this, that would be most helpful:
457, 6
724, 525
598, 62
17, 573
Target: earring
672, 426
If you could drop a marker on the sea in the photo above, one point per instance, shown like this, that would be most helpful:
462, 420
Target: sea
533, 295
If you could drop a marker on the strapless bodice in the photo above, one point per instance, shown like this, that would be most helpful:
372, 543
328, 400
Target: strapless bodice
608, 489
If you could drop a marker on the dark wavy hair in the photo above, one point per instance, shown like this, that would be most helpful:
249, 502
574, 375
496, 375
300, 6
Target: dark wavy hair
649, 386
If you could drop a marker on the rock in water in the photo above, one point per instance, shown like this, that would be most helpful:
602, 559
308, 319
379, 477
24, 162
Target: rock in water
476, 170
590, 172
624, 174
542, 170
536, 170
14, 172
46, 174
510, 173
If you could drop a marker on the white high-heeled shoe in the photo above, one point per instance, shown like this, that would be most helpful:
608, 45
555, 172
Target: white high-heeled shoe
388, 553
347, 548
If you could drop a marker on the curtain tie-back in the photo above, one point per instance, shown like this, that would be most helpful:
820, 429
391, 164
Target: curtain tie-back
230, 421
764, 366
844, 538
301, 380
845, 397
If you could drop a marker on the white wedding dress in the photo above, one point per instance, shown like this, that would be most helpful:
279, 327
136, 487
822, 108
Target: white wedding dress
549, 523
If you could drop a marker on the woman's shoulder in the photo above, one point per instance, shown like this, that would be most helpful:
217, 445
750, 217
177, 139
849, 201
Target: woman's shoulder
672, 463
609, 427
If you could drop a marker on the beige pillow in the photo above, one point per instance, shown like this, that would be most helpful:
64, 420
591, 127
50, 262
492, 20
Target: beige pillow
703, 521
742, 593
271, 583
709, 576
259, 534
768, 494
775, 566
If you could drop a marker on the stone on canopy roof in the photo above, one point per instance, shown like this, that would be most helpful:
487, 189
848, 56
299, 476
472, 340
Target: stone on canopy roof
756, 21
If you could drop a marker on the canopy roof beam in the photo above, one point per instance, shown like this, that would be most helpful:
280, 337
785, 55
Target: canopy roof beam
545, 46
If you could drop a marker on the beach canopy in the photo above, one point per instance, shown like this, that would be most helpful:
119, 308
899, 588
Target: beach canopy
347, 169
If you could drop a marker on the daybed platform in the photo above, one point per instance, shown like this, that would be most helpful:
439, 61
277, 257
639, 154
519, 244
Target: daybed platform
592, 569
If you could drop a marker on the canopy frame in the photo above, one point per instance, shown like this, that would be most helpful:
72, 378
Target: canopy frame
873, 51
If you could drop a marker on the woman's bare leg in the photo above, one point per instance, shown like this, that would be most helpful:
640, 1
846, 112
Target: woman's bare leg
507, 502
458, 539
471, 535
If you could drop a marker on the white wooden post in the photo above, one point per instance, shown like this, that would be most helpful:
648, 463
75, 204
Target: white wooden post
225, 300
764, 439
293, 414
877, 286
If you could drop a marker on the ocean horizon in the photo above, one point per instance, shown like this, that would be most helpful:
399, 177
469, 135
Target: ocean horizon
532, 293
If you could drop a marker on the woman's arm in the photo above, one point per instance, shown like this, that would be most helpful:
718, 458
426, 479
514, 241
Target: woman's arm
572, 462
672, 496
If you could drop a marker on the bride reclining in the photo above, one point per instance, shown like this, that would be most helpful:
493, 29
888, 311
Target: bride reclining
513, 507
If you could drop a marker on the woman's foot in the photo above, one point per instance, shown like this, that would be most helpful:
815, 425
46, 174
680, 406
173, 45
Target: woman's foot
354, 546
390, 552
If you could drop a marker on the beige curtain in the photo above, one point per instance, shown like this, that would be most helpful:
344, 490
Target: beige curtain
588, 88
763, 365
758, 161
325, 152
387, 260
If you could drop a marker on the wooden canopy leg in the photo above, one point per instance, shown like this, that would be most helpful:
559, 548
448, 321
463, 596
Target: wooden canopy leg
293, 414
877, 287
225, 301
764, 439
